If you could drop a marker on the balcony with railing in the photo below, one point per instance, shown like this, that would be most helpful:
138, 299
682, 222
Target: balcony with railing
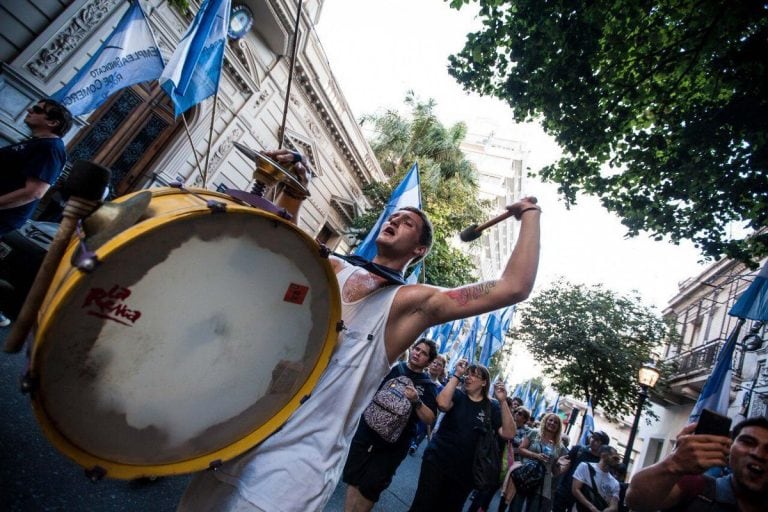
690, 369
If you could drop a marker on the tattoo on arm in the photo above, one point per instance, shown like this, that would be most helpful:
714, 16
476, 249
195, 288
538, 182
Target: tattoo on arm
473, 292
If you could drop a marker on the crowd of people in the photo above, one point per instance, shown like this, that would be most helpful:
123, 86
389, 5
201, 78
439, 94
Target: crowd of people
584, 478
368, 411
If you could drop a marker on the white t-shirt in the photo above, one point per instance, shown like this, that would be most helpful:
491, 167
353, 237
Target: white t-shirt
607, 485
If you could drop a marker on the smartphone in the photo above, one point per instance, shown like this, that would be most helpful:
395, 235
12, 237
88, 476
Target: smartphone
713, 423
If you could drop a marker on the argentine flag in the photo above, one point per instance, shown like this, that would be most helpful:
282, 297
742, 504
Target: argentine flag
407, 193
589, 424
128, 56
193, 72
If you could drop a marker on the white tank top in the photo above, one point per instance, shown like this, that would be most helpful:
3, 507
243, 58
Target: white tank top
298, 467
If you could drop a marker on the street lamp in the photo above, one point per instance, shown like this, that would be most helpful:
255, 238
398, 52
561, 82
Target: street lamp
647, 378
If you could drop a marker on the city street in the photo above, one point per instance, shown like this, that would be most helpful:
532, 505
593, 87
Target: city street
34, 476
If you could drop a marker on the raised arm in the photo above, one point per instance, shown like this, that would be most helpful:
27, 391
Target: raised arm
656, 487
301, 172
445, 397
508, 429
420, 306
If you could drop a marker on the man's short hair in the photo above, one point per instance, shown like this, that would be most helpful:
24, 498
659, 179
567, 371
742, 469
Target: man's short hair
755, 421
427, 231
517, 399
432, 347
602, 437
524, 411
55, 111
606, 449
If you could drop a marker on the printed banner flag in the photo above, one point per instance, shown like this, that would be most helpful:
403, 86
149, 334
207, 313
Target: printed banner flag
128, 56
407, 193
193, 72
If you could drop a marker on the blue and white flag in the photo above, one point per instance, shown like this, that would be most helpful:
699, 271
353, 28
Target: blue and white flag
443, 335
493, 338
413, 278
753, 303
407, 193
468, 347
128, 56
507, 314
193, 72
589, 424
531, 404
715, 395
557, 404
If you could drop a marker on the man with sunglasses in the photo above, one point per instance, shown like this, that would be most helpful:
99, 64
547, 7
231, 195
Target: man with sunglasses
31, 166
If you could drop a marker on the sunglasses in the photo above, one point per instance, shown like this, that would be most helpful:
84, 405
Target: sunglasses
37, 109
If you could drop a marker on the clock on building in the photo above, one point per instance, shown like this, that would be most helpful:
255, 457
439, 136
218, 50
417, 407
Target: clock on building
240, 21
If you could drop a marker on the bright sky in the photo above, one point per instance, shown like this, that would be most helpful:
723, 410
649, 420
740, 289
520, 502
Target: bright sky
379, 49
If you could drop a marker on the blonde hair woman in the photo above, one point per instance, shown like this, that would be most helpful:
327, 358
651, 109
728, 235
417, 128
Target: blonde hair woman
545, 446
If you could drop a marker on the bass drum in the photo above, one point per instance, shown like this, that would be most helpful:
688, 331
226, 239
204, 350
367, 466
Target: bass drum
195, 337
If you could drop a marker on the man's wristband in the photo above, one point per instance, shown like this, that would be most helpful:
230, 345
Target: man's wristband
454, 375
527, 210
418, 403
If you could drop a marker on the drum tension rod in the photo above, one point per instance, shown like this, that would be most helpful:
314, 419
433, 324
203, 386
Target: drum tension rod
324, 251
213, 205
340, 326
96, 473
215, 465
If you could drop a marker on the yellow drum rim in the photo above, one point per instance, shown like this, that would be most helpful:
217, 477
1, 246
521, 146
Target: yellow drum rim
119, 470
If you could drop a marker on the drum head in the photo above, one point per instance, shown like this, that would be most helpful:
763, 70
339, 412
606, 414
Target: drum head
192, 341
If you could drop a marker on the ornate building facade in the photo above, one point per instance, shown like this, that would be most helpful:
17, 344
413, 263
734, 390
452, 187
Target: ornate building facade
699, 314
134, 133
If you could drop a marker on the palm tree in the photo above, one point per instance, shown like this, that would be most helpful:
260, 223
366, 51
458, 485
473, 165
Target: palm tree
449, 183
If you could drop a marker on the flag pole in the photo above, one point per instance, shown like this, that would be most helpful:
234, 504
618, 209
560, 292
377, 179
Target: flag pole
281, 132
192, 145
210, 134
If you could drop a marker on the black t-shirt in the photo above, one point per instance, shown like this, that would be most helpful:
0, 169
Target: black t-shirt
577, 455
42, 159
453, 446
427, 394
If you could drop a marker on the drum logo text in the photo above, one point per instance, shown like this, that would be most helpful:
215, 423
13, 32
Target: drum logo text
296, 293
109, 304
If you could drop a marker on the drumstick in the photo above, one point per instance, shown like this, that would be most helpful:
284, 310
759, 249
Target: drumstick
85, 186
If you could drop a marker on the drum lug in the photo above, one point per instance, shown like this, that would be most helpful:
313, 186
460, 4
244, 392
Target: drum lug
340, 326
216, 206
215, 465
95, 474
28, 383
324, 251
87, 261
282, 212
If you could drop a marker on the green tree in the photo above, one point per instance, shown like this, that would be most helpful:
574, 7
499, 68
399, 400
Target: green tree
659, 106
448, 182
590, 342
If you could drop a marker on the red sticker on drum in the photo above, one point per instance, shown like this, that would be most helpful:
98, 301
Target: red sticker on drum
296, 293
110, 304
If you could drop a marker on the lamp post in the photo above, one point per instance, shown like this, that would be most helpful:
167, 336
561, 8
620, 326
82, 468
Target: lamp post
647, 378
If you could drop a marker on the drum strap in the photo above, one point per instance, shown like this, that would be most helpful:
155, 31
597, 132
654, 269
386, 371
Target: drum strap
391, 275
